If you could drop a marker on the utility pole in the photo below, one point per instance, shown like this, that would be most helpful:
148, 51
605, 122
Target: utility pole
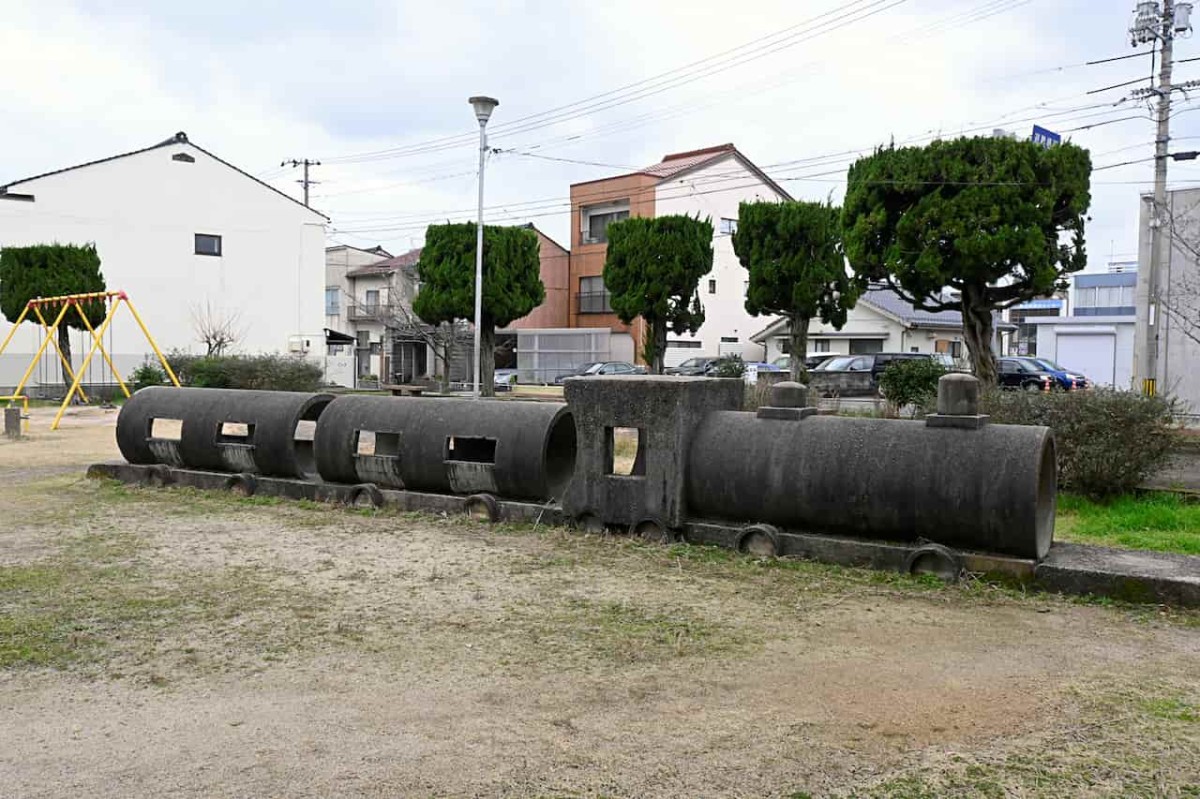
484, 106
305, 182
1153, 24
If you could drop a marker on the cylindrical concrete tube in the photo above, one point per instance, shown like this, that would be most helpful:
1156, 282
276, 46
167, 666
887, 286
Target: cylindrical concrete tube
990, 489
264, 432
510, 448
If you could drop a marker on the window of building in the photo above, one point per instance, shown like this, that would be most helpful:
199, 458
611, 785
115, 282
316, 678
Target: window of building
364, 339
595, 220
593, 295
1085, 298
208, 244
372, 300
332, 295
729, 339
728, 226
376, 347
865, 346
712, 286
1126, 296
820, 345
680, 344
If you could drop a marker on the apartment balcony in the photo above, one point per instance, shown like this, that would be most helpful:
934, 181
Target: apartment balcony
593, 302
366, 313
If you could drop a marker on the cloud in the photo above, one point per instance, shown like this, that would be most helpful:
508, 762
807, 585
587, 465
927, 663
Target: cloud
260, 82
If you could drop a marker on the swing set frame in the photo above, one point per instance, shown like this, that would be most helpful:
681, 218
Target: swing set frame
59, 307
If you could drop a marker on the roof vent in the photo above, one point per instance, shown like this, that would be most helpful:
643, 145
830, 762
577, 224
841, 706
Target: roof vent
187, 159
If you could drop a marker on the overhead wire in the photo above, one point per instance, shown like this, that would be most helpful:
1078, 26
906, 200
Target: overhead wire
569, 110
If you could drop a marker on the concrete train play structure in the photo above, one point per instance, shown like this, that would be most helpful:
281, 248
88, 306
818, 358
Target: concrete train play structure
665, 458
924, 496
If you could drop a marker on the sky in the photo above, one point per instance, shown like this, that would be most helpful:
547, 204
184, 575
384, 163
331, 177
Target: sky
377, 92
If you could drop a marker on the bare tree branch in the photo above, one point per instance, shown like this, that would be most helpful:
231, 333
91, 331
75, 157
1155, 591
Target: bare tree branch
216, 330
1180, 300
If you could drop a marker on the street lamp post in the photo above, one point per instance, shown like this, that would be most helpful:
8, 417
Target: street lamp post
483, 109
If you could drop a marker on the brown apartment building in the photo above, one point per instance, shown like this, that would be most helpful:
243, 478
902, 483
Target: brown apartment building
709, 182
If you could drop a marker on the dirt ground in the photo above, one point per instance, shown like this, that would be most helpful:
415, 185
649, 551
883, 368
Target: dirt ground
177, 643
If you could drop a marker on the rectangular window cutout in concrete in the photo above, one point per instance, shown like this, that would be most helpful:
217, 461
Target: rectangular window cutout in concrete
364, 442
373, 442
623, 451
235, 433
166, 429
471, 450
306, 430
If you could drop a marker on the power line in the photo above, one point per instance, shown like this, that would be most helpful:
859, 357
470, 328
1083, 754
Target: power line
810, 162
988, 9
727, 59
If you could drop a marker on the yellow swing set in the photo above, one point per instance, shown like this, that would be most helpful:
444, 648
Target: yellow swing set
59, 308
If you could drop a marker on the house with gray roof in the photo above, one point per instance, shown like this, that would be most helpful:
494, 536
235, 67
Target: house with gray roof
882, 321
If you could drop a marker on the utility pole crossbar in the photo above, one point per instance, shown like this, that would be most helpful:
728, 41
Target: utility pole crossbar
305, 181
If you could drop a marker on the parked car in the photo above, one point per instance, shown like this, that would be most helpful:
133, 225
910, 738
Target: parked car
1065, 379
692, 367
1024, 374
784, 362
505, 379
603, 368
851, 375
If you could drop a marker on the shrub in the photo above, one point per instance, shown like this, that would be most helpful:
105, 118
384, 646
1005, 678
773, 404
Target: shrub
1107, 441
911, 381
148, 374
264, 372
730, 366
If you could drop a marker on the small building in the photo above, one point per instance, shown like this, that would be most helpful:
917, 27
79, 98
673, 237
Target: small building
1097, 338
190, 237
881, 321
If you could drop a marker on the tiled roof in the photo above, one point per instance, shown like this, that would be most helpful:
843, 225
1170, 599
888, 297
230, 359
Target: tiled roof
404, 261
887, 300
678, 162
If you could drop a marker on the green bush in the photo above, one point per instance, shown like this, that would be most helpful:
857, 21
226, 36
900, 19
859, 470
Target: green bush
730, 366
1107, 441
911, 381
264, 372
148, 374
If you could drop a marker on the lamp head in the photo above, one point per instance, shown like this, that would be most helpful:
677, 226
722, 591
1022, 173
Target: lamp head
483, 107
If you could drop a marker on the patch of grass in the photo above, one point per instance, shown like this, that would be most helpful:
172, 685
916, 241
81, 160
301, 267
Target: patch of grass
97, 600
1158, 522
580, 630
1138, 740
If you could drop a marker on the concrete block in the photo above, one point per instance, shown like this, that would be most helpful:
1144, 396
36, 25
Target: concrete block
665, 411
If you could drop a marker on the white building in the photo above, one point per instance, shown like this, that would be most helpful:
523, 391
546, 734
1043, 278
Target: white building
881, 321
1177, 310
368, 308
186, 235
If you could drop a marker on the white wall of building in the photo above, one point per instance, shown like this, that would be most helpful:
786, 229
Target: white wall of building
142, 211
725, 317
863, 322
1101, 347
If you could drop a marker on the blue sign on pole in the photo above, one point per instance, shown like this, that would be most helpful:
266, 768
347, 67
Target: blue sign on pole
1045, 137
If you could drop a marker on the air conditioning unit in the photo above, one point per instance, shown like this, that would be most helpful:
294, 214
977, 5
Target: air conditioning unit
298, 345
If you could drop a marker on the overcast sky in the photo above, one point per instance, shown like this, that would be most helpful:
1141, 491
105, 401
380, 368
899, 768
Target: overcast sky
377, 91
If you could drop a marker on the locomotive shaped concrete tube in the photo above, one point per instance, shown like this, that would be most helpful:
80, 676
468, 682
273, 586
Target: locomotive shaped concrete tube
705, 471
258, 432
517, 449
